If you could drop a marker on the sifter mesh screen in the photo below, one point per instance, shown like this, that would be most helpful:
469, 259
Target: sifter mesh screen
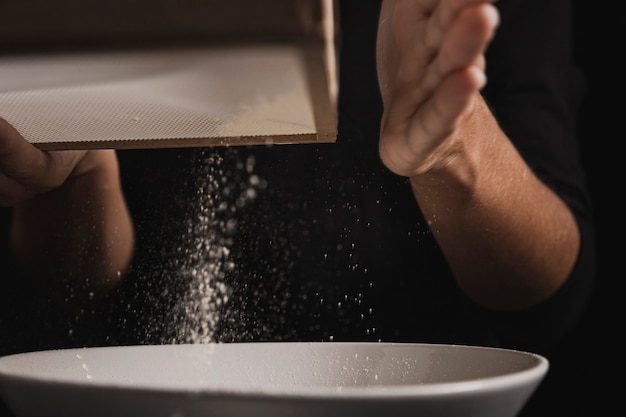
125, 99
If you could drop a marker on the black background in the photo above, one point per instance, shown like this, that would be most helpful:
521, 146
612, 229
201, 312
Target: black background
586, 367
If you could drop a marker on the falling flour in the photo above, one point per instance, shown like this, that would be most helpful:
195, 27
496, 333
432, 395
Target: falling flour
205, 258
232, 273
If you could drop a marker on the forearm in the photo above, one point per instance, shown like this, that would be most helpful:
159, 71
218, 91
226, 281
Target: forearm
510, 241
79, 235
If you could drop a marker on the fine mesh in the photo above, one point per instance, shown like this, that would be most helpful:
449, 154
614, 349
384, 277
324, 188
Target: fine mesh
210, 94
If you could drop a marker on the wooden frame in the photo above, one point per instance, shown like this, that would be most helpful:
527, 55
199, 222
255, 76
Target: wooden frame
300, 33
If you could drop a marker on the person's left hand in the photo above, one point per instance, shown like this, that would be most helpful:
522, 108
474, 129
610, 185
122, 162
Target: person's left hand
430, 68
70, 219
26, 171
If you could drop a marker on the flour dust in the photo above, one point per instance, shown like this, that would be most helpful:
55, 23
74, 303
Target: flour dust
204, 259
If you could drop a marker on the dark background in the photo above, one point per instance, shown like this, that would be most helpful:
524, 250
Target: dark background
584, 366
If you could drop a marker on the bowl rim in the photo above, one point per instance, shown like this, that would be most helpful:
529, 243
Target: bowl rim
530, 377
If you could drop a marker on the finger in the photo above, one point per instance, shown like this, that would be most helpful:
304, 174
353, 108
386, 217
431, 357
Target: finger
441, 18
400, 56
440, 116
463, 47
464, 43
19, 159
14, 150
23, 163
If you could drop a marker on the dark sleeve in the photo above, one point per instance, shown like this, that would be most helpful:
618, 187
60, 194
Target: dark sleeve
536, 92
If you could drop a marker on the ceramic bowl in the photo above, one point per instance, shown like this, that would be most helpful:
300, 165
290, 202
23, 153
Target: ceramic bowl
271, 379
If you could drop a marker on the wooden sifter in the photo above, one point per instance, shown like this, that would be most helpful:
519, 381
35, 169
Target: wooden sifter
86, 74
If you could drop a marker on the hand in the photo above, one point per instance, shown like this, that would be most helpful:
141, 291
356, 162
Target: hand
71, 229
498, 225
430, 67
26, 172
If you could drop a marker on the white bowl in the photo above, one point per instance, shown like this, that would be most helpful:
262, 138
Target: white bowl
271, 379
